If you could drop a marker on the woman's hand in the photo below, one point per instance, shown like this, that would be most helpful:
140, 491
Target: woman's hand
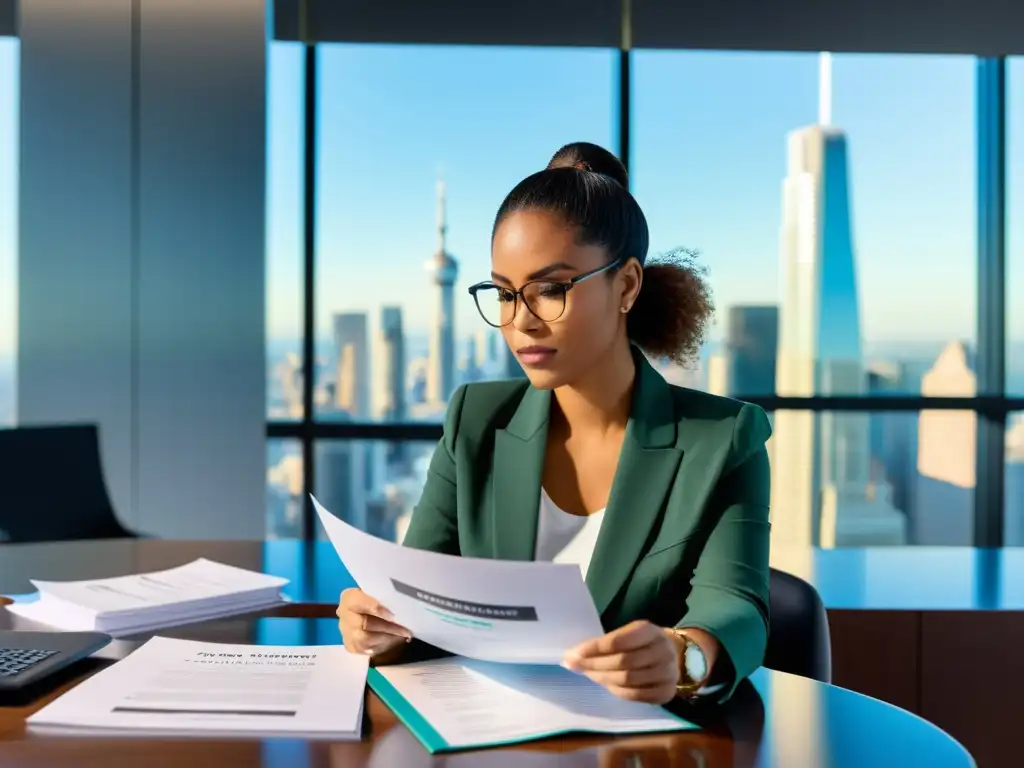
367, 626
639, 662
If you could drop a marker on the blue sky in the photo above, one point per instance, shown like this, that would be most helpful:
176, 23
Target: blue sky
709, 133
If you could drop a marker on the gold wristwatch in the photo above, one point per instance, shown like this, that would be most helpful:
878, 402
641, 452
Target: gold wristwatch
693, 666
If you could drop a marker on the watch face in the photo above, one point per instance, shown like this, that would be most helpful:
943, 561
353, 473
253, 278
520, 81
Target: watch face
696, 664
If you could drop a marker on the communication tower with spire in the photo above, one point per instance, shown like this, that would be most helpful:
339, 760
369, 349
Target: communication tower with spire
444, 271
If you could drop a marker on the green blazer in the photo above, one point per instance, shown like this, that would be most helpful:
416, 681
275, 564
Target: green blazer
684, 541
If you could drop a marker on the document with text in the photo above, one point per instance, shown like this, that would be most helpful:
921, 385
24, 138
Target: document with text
142, 602
493, 610
185, 687
467, 704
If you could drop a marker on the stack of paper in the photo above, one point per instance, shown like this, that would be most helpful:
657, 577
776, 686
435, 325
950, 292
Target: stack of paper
127, 605
187, 688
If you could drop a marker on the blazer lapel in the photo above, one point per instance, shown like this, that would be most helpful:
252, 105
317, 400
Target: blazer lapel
518, 469
647, 467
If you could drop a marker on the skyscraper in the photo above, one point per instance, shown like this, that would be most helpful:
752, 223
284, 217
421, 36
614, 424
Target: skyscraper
342, 480
349, 470
752, 339
893, 434
822, 493
444, 270
944, 510
946, 454
351, 344
393, 364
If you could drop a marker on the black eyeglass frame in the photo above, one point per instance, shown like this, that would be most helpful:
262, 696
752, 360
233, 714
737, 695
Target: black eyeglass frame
517, 295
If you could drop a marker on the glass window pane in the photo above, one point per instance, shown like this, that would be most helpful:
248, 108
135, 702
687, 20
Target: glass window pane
820, 191
396, 121
814, 231
1015, 227
1014, 489
284, 489
372, 484
919, 488
9, 76
285, 113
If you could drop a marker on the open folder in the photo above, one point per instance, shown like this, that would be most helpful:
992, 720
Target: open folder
125, 605
456, 703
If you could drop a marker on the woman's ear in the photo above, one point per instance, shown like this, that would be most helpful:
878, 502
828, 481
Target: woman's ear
632, 276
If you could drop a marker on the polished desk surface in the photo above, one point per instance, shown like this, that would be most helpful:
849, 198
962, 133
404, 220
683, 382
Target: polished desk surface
774, 720
896, 578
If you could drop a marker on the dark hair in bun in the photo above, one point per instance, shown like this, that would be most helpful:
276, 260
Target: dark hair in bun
588, 186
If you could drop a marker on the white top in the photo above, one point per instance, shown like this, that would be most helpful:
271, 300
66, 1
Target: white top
566, 538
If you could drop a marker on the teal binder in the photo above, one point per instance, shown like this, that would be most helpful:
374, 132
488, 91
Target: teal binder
434, 743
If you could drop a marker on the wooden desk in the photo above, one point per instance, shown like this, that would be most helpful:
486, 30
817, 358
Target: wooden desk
774, 720
897, 615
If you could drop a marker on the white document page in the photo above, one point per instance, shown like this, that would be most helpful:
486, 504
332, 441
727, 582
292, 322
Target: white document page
472, 703
195, 591
494, 610
201, 579
187, 687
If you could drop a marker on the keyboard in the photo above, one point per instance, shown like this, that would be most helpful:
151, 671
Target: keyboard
14, 661
29, 657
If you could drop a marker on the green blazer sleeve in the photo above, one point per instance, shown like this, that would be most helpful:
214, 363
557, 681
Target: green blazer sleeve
434, 524
729, 589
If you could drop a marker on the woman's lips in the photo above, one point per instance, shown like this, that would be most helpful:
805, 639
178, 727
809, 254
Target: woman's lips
535, 356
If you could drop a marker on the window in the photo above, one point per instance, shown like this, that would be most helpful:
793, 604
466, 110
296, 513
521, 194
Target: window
832, 199
9, 75
725, 164
285, 494
1015, 227
285, 89
372, 484
1013, 533
819, 190
918, 486
417, 147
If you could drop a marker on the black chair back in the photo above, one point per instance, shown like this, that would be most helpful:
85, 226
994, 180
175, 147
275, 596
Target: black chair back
799, 641
52, 486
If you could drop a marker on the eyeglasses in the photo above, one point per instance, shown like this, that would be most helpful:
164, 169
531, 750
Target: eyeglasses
545, 299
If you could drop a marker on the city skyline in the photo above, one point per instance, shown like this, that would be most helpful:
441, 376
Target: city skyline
903, 181
720, 164
376, 204
835, 477
914, 129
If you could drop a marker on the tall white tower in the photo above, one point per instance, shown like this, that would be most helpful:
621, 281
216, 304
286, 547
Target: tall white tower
822, 490
444, 270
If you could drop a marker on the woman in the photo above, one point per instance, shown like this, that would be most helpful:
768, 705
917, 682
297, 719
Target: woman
659, 493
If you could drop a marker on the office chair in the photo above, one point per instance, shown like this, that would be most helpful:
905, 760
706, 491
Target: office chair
799, 641
52, 486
